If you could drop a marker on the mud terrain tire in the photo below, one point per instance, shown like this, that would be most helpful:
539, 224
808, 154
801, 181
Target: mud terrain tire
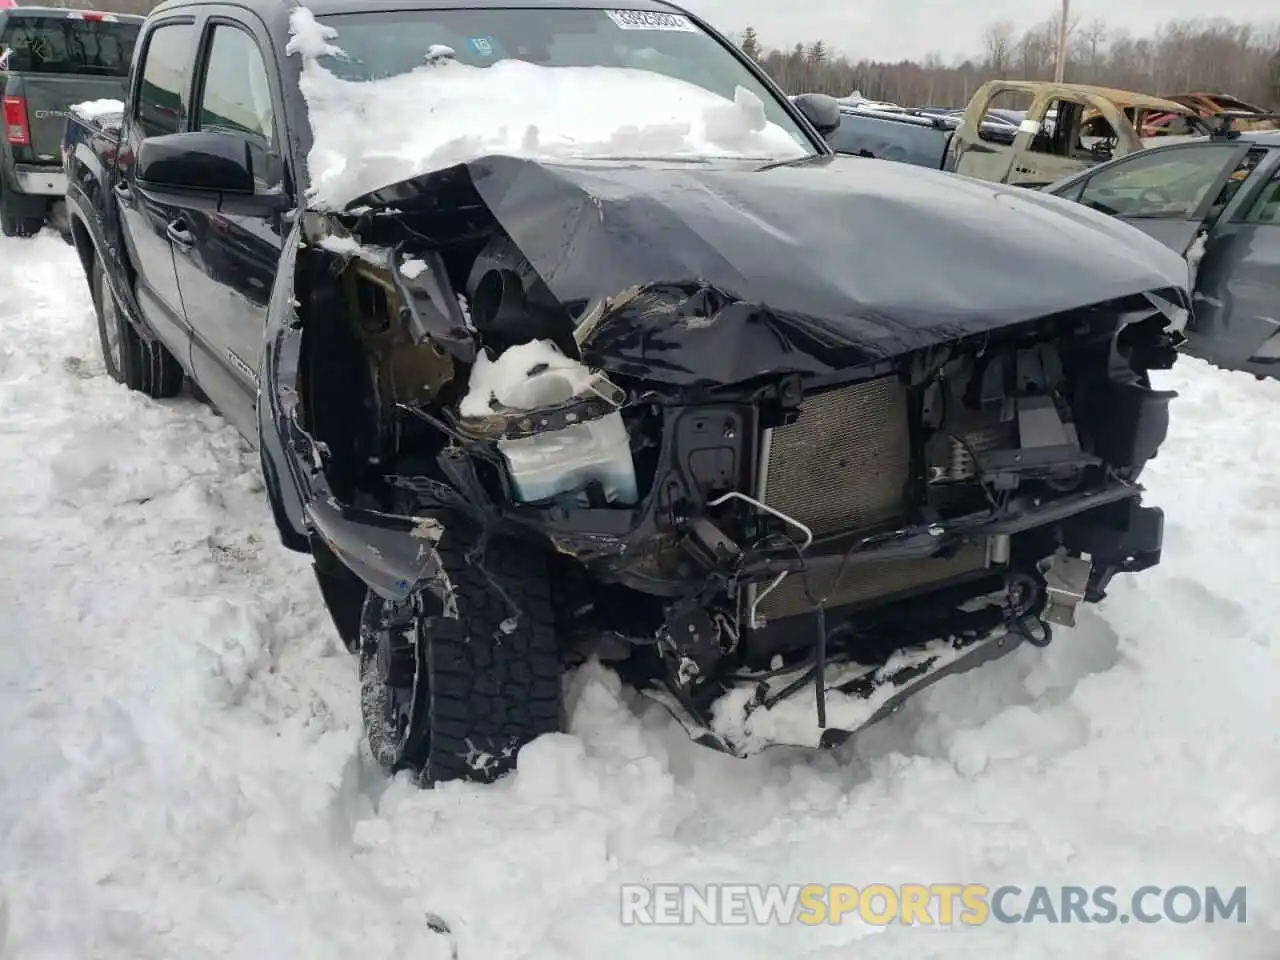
451, 688
146, 367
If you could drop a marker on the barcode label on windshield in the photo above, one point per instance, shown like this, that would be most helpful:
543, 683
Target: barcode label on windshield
651, 20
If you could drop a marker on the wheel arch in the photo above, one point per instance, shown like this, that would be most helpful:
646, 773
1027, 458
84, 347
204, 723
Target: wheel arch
85, 248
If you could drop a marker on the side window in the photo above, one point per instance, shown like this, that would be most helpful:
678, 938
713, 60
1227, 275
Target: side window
163, 69
1169, 184
1266, 209
235, 96
1013, 106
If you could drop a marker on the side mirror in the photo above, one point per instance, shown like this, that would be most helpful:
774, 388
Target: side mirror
204, 170
820, 110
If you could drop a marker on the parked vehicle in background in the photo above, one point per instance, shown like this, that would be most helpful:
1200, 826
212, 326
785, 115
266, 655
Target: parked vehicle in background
856, 99
51, 58
903, 137
1047, 143
1215, 201
913, 137
1150, 116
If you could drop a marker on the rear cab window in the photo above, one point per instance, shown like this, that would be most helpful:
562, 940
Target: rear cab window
76, 43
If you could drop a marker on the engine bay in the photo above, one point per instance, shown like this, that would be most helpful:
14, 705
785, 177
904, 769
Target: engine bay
714, 535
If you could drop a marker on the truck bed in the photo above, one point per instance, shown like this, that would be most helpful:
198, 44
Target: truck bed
90, 141
916, 138
919, 140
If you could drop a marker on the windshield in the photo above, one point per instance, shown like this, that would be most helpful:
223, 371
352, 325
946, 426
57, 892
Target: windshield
380, 45
394, 96
66, 44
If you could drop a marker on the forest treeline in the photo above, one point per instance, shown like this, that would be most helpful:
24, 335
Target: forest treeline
1214, 55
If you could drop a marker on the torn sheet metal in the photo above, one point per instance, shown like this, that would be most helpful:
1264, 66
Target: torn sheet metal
720, 272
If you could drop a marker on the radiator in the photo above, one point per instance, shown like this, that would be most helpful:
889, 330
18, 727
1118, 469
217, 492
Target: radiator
843, 467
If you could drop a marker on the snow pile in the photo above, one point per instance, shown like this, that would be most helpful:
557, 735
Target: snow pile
98, 110
181, 773
364, 138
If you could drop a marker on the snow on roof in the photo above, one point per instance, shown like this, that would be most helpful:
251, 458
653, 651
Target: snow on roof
368, 134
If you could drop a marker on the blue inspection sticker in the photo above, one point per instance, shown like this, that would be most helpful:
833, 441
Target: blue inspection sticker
485, 46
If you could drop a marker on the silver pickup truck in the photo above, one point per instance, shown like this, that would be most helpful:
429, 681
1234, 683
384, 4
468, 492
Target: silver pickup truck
51, 58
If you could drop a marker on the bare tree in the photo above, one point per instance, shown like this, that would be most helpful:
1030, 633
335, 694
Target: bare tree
1092, 42
998, 41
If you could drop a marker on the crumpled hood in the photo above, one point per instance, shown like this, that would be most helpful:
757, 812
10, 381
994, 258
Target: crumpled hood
699, 273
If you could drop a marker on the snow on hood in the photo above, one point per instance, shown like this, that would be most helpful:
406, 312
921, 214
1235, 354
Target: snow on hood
513, 107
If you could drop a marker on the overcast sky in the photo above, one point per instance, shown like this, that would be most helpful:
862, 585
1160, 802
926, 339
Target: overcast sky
894, 29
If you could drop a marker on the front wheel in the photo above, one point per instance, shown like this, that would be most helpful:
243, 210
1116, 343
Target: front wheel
453, 682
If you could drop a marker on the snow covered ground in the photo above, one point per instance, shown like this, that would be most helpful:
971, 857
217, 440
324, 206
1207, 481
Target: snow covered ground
180, 764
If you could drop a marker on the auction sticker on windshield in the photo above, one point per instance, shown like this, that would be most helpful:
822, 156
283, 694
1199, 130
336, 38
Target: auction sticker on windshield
651, 20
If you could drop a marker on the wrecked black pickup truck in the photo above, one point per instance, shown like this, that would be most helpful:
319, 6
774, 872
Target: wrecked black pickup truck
686, 409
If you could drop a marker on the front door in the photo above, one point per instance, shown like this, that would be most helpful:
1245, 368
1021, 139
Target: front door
1237, 323
157, 109
226, 264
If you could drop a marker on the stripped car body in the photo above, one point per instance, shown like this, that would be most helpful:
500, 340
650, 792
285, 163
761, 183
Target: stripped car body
1065, 128
926, 464
1245, 117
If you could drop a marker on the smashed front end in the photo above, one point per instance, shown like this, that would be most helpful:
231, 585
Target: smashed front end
779, 508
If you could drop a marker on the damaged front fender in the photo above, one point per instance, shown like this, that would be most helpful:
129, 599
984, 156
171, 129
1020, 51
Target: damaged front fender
390, 553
